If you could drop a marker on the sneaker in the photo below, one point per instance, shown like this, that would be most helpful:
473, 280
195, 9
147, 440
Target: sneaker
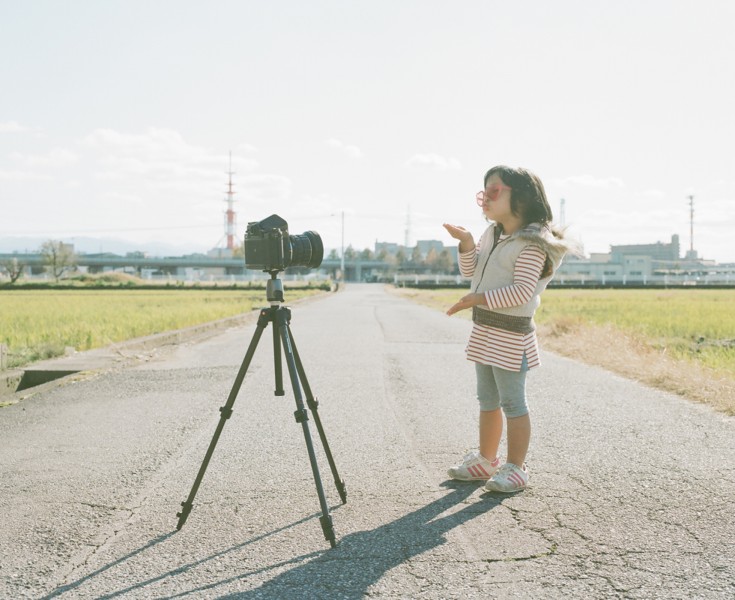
474, 467
509, 478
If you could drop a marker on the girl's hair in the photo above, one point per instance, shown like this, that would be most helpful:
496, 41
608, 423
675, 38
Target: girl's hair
527, 200
527, 196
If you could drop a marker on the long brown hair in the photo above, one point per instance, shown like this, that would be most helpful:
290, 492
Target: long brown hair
527, 197
527, 201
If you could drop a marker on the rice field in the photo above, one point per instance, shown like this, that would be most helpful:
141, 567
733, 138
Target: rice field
691, 324
696, 325
38, 324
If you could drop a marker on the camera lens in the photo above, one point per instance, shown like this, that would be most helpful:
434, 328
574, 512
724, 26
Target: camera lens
307, 250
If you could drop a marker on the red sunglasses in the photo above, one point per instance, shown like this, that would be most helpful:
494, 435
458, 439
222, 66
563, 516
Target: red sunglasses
491, 194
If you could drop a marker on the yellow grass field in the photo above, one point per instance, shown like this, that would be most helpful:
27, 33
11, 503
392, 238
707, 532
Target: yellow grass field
681, 340
37, 324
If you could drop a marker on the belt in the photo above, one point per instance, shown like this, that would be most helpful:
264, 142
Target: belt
501, 321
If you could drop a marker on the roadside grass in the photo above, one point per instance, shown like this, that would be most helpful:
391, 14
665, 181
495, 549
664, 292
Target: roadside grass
680, 340
40, 324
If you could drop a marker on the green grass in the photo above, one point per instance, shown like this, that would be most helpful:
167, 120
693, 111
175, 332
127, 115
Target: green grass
38, 324
692, 324
697, 325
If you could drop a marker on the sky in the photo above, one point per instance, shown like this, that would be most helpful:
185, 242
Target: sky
369, 120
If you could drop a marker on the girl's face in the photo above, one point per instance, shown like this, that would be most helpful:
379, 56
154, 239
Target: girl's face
497, 200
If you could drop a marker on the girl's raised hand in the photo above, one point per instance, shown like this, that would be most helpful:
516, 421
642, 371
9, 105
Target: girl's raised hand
458, 233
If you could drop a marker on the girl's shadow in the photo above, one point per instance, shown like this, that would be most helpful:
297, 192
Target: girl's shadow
361, 559
347, 571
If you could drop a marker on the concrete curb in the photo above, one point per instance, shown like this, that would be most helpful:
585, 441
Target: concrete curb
54, 371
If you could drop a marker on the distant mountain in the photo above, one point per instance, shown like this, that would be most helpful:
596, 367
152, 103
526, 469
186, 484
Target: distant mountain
89, 245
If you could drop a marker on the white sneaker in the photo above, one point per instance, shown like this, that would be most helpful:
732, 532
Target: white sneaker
509, 478
474, 467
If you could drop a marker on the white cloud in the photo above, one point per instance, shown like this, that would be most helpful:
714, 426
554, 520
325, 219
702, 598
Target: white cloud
58, 157
651, 194
163, 159
433, 161
347, 149
15, 127
23, 176
589, 181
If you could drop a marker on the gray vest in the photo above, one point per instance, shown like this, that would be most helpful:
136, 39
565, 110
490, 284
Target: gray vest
495, 265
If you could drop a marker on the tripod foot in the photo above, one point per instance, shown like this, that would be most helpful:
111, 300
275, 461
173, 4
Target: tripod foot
328, 530
342, 491
184, 514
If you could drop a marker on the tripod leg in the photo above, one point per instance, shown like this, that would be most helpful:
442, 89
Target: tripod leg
266, 315
278, 369
313, 404
302, 416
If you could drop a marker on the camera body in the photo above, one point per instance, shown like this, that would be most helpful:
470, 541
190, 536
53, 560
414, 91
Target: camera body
269, 247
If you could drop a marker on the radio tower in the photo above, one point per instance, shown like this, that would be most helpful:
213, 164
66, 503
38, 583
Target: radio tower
230, 218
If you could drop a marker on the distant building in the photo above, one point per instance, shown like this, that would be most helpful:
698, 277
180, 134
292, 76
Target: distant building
657, 251
643, 264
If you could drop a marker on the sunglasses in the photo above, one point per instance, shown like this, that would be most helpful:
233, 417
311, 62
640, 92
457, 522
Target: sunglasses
490, 194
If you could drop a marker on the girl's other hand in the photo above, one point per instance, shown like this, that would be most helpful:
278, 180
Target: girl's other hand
467, 301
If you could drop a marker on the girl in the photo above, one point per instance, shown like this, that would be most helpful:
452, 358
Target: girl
510, 266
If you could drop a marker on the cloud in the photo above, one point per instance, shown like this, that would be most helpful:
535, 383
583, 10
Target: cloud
589, 181
433, 161
23, 176
163, 159
347, 149
15, 127
58, 157
651, 194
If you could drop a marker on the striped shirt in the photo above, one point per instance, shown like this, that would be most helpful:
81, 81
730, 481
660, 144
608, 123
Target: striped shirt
498, 347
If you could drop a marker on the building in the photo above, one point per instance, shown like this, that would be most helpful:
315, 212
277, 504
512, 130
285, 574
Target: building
643, 264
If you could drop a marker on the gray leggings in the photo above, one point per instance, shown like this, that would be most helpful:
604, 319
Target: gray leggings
498, 387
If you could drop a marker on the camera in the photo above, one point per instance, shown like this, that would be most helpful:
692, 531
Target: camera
269, 247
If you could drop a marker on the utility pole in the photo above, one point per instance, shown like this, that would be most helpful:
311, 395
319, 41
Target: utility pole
342, 264
691, 224
562, 212
407, 236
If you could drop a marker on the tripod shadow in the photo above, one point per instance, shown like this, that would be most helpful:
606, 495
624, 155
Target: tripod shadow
75, 584
69, 587
362, 558
347, 571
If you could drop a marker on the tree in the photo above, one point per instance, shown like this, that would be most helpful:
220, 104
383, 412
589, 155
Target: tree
333, 254
58, 257
387, 257
366, 254
432, 257
401, 258
445, 263
14, 269
416, 257
350, 253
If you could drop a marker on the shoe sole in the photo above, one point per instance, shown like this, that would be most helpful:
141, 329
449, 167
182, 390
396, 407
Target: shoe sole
487, 489
469, 478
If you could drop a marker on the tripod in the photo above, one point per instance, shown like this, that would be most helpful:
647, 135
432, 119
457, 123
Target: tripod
280, 316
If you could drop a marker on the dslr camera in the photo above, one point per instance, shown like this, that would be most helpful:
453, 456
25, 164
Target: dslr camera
269, 247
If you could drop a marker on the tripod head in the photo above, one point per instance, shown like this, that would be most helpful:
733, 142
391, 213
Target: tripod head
274, 289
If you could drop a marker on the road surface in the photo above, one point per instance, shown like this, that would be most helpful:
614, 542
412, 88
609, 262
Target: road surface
631, 493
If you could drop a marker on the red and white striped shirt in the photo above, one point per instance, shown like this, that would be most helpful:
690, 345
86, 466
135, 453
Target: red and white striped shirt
498, 347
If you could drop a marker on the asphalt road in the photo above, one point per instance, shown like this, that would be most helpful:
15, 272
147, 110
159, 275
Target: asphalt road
631, 496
